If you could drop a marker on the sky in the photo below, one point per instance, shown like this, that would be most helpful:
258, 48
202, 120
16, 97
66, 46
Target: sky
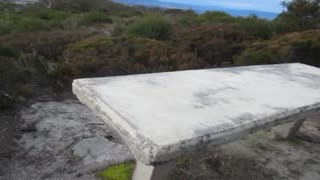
259, 5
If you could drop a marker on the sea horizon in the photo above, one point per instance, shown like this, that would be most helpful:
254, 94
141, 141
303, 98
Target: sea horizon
243, 8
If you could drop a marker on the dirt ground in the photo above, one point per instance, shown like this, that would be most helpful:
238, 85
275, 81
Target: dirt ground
61, 139
258, 156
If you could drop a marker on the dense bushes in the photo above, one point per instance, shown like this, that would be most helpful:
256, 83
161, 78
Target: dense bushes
28, 58
215, 17
295, 47
33, 18
89, 18
300, 15
104, 56
154, 27
216, 44
256, 27
10, 75
260, 28
109, 7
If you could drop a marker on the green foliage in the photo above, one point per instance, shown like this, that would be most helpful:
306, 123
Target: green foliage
154, 27
78, 6
9, 74
216, 17
295, 47
29, 57
8, 6
260, 28
37, 18
30, 20
300, 15
105, 56
109, 7
216, 44
94, 18
117, 172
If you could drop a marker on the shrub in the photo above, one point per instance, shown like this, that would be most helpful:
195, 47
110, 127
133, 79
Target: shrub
31, 20
216, 17
154, 27
37, 18
109, 7
38, 53
29, 25
216, 44
13, 82
105, 56
301, 47
95, 17
86, 19
260, 28
300, 15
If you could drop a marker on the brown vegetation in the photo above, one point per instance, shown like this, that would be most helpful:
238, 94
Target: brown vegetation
301, 47
105, 56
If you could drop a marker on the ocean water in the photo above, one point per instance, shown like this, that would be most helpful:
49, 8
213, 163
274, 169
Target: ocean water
268, 9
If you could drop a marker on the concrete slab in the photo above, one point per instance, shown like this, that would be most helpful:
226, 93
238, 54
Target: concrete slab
161, 116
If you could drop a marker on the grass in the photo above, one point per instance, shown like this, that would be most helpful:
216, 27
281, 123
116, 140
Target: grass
117, 172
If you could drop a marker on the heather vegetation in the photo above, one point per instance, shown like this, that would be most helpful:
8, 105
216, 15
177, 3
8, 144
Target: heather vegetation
45, 44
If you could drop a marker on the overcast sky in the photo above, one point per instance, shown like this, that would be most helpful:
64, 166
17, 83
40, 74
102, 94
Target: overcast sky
260, 5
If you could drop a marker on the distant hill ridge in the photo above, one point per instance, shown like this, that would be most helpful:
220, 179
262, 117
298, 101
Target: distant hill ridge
198, 8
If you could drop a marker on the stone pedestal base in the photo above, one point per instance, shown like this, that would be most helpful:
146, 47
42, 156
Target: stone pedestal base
157, 172
287, 131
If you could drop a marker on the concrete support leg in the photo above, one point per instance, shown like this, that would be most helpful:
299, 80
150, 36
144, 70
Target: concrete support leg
287, 131
158, 172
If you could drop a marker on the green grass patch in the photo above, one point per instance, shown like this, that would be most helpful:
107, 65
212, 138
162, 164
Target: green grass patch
117, 172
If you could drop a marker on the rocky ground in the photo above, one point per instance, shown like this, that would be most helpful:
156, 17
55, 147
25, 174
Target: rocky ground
62, 139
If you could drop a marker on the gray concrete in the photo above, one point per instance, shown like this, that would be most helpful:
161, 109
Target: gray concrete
164, 115
157, 172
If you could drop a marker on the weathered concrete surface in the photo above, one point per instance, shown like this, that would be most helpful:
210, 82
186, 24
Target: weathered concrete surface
163, 115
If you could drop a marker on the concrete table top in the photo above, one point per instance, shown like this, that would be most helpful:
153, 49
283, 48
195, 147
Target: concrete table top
163, 115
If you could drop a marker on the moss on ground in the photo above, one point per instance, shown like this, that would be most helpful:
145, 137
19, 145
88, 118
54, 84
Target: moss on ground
117, 172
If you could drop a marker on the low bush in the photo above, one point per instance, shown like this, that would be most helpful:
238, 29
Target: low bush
108, 7
96, 17
32, 57
216, 44
216, 17
105, 56
154, 27
31, 20
259, 28
12, 80
301, 47
34, 18
300, 15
